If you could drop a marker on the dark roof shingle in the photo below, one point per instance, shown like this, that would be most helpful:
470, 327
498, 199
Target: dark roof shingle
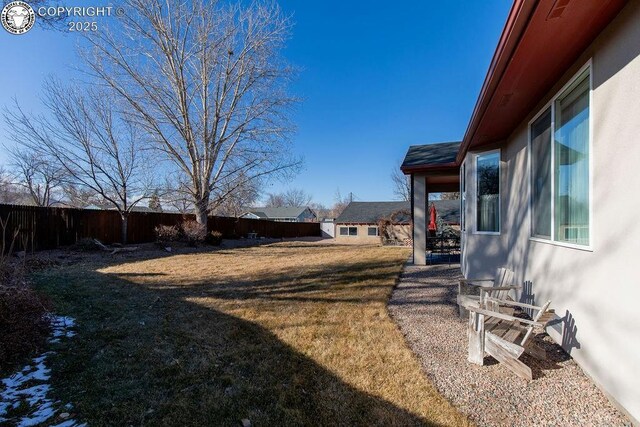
431, 154
371, 212
278, 212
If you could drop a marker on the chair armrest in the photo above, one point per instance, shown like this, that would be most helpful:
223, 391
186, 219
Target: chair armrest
471, 281
475, 309
500, 288
517, 304
466, 285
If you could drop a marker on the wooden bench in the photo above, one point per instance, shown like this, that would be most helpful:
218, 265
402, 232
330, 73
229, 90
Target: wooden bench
503, 336
471, 291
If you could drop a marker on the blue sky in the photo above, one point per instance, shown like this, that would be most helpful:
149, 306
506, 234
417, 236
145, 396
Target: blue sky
376, 77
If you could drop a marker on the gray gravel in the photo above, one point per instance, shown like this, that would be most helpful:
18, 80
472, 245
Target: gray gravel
424, 306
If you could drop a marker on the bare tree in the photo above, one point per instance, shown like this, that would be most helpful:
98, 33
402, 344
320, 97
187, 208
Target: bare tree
291, 197
177, 195
154, 201
206, 81
340, 203
401, 184
297, 197
453, 195
235, 197
321, 210
99, 148
39, 175
275, 200
78, 197
10, 193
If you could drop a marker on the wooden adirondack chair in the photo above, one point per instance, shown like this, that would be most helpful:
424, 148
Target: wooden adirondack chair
471, 291
504, 336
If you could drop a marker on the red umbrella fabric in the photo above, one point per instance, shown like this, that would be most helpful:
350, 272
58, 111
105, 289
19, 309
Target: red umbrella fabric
432, 220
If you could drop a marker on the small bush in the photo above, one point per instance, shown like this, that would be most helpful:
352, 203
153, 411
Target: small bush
167, 233
215, 238
23, 323
194, 232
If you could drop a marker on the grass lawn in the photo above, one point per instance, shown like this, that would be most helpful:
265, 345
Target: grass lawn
285, 334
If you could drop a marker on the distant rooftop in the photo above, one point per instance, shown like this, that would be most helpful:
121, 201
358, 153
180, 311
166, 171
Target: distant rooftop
439, 154
372, 212
280, 212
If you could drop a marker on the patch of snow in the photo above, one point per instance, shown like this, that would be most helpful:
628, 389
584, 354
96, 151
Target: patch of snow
30, 385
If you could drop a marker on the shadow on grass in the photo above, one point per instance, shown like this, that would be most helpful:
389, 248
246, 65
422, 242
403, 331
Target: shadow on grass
146, 355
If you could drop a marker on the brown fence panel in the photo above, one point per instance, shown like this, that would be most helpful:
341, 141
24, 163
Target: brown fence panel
49, 228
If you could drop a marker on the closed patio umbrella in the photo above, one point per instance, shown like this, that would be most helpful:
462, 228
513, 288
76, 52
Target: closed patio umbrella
432, 218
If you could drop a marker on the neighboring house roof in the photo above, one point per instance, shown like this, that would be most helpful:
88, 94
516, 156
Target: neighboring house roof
440, 154
140, 208
280, 212
372, 212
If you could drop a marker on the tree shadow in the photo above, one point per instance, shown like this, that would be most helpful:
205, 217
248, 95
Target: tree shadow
152, 355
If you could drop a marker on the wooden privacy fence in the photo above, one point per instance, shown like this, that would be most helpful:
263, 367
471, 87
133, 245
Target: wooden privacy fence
50, 228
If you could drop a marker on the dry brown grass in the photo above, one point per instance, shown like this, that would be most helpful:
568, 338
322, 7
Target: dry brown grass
291, 333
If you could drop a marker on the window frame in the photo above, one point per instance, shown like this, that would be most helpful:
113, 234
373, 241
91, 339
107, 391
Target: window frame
463, 196
551, 106
348, 227
475, 187
369, 227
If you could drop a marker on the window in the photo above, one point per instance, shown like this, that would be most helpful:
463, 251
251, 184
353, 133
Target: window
488, 192
541, 176
463, 196
560, 179
372, 231
348, 231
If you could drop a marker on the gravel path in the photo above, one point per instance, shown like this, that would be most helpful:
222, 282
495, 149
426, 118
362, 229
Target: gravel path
424, 306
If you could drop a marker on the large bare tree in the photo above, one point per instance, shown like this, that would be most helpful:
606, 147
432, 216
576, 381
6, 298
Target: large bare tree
10, 193
98, 146
235, 196
401, 184
206, 81
41, 176
291, 197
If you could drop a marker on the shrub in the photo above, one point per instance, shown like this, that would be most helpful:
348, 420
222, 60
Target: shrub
23, 321
215, 238
193, 232
167, 233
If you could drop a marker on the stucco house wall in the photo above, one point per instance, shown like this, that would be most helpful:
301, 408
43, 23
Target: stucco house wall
400, 231
594, 291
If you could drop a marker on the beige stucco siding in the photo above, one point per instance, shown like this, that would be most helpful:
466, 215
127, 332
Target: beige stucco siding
596, 291
401, 232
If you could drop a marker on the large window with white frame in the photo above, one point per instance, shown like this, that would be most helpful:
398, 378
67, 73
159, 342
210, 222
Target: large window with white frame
560, 163
488, 192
